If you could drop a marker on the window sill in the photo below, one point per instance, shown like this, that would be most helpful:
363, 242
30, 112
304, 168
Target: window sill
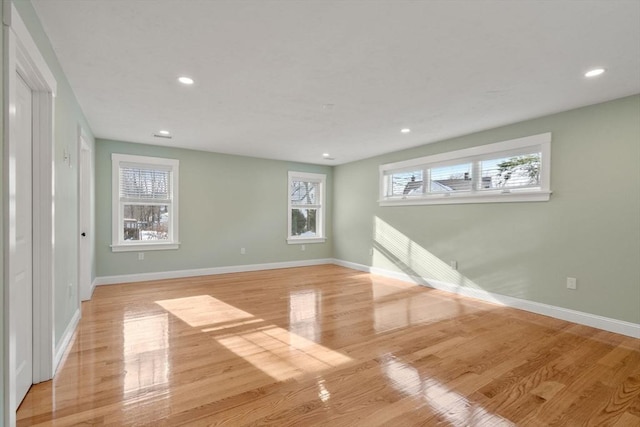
141, 247
294, 241
454, 199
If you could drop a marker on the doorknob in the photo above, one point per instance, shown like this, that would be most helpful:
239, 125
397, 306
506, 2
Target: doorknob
83, 234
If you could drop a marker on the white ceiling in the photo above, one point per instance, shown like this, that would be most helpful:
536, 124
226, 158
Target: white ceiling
266, 69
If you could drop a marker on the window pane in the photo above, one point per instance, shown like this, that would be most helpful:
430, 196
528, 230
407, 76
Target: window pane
511, 172
450, 179
146, 222
303, 222
304, 193
406, 183
141, 183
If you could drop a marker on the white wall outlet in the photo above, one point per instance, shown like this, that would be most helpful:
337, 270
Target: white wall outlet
140, 256
572, 283
303, 248
371, 252
243, 251
70, 289
453, 264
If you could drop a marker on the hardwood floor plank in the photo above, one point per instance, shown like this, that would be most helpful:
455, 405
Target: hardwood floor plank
326, 345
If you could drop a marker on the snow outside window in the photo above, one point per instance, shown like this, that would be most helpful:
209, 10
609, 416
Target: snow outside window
145, 203
306, 194
510, 171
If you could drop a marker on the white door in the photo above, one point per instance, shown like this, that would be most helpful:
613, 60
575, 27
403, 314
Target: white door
23, 262
84, 253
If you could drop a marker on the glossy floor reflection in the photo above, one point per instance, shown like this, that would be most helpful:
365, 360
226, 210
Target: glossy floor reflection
328, 345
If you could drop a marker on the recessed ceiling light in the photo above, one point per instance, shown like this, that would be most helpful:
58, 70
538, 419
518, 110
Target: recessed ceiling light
594, 72
405, 130
164, 132
326, 155
185, 80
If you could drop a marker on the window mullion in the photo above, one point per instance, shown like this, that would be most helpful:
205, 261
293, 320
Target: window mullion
475, 176
425, 180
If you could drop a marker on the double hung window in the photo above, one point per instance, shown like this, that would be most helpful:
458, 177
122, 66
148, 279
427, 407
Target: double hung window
145, 203
306, 207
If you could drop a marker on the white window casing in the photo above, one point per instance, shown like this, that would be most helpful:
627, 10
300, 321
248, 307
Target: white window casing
517, 170
137, 182
306, 194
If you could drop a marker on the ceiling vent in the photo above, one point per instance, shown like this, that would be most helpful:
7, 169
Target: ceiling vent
157, 135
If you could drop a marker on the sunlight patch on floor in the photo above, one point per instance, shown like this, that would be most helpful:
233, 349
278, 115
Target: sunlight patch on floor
203, 310
279, 353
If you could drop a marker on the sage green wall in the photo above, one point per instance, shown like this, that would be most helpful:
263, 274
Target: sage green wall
226, 203
68, 116
590, 229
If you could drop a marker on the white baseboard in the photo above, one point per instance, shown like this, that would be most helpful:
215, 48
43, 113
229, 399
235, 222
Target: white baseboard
176, 274
65, 340
593, 320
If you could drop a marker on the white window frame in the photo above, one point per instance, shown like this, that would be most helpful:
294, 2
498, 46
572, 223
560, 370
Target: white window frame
320, 208
540, 143
118, 244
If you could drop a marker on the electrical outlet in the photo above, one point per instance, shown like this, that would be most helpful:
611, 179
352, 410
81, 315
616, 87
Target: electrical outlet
303, 248
140, 256
243, 251
453, 264
70, 289
572, 283
371, 252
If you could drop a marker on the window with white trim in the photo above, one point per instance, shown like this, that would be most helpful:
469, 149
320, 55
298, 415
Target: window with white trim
145, 203
510, 171
306, 194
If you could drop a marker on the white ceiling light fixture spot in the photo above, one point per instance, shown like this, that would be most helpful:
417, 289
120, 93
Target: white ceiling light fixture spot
185, 80
405, 130
595, 72
164, 132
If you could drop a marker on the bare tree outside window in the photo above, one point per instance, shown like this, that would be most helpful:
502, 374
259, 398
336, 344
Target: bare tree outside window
303, 220
519, 171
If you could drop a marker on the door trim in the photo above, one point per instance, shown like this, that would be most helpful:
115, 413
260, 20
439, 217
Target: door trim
85, 289
21, 55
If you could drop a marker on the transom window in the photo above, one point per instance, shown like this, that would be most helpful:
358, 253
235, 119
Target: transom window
145, 203
306, 207
509, 171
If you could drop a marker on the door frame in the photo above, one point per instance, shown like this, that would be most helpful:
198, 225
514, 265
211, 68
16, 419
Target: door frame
85, 174
22, 56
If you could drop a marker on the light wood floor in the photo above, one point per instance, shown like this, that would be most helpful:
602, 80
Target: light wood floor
328, 345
